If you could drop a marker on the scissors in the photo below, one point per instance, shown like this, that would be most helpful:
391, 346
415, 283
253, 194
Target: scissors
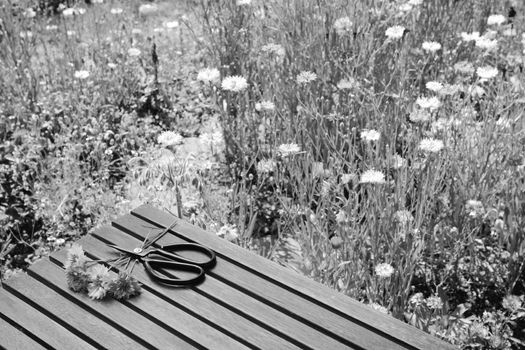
165, 258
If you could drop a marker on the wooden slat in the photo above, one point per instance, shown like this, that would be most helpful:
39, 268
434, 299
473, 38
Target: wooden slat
387, 327
13, 338
244, 304
204, 307
348, 333
164, 313
74, 314
131, 323
39, 325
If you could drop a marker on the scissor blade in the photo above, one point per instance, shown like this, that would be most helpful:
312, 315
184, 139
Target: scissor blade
122, 250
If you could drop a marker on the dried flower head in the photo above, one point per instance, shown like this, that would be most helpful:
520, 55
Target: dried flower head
419, 116
77, 277
434, 302
266, 166
511, 302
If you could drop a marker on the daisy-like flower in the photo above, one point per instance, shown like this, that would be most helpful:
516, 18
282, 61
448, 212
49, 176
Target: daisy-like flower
404, 217
370, 135
287, 149
464, 67
431, 103
487, 72
116, 11
379, 308
134, 52
171, 24
449, 89
266, 166
416, 299
306, 77
234, 83
264, 106
434, 86
77, 277
405, 7
228, 232
343, 25
209, 75
469, 36
395, 32
169, 138
397, 162
123, 287
372, 177
486, 43
511, 302
346, 178
97, 288
147, 9
434, 302
29, 13
275, 49
384, 270
496, 20
81, 74
347, 84
431, 46
431, 145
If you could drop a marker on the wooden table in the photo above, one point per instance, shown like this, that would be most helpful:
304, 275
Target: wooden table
246, 301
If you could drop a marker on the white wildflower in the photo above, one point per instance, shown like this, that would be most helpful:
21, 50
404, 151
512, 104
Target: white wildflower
234, 83
486, 43
496, 20
372, 177
287, 149
306, 77
487, 72
395, 32
243, 2
209, 75
431, 46
431, 103
347, 84
384, 270
431, 145
147, 9
419, 116
266, 166
370, 135
169, 138
116, 11
434, 86
81, 74
343, 25
134, 52
470, 36
264, 106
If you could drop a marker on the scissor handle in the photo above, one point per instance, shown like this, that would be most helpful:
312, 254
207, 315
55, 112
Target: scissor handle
167, 251
153, 264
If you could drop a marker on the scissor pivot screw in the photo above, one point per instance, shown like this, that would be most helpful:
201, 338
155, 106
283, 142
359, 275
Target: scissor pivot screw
137, 250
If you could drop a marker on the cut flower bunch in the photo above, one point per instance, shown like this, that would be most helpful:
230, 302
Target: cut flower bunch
85, 276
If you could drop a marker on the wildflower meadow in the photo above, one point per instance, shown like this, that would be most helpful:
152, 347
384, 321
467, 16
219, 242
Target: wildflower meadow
375, 146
